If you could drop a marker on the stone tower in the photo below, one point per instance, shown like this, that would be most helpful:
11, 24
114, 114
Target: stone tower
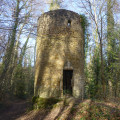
60, 55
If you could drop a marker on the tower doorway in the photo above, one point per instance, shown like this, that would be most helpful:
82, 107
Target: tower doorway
67, 81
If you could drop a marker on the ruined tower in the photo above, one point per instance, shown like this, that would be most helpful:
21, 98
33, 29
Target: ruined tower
60, 55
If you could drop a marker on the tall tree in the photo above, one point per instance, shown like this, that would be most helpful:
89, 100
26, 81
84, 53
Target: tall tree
21, 21
9, 52
55, 4
96, 13
111, 44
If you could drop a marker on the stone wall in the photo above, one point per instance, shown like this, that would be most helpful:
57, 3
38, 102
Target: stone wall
59, 40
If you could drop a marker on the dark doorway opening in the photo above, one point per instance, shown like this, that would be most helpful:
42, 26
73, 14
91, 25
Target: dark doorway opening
67, 81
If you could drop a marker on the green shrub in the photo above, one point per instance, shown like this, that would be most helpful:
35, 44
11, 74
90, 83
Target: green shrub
34, 99
39, 103
67, 92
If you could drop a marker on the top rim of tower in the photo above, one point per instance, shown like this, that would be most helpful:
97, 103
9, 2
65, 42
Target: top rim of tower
60, 12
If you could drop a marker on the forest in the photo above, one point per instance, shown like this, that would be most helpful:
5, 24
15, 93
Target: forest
18, 34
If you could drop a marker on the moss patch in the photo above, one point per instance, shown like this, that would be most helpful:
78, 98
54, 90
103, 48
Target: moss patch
43, 103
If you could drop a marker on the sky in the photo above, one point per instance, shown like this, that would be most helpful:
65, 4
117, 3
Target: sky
41, 7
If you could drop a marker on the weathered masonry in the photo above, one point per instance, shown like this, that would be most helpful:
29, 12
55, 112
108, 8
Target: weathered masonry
60, 55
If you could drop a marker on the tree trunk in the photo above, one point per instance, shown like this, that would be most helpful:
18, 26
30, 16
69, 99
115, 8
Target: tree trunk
111, 45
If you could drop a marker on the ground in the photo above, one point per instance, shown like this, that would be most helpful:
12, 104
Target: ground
13, 109
69, 109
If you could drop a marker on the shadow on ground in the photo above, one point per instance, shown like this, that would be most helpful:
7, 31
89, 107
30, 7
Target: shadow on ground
13, 109
68, 109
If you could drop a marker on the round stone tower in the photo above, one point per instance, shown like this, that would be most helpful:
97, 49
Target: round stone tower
60, 55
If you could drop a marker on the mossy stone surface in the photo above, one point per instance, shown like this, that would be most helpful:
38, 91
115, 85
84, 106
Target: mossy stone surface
59, 43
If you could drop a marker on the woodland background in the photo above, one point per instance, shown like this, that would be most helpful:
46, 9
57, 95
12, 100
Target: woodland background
18, 32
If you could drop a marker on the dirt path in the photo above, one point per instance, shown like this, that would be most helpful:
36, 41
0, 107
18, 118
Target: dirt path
14, 110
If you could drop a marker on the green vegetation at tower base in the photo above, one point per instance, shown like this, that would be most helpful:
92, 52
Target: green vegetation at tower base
42, 103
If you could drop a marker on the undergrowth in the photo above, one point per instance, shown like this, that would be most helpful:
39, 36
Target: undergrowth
86, 110
94, 110
43, 103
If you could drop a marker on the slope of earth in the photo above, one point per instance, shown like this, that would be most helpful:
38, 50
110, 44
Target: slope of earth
68, 109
